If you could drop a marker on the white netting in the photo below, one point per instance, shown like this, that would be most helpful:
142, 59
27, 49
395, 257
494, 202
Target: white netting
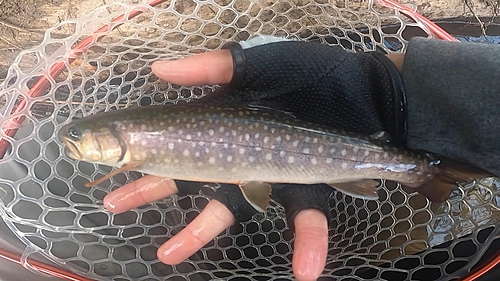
400, 237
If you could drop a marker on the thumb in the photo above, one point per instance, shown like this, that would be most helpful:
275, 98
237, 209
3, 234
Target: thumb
203, 69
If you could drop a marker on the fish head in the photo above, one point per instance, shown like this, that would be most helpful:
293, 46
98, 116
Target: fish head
92, 142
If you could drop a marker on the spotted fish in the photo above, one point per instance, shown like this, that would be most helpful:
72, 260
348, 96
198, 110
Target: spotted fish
249, 147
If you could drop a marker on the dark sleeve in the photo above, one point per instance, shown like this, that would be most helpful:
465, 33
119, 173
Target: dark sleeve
453, 100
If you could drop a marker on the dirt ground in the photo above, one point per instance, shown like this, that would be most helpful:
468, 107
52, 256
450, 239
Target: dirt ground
23, 22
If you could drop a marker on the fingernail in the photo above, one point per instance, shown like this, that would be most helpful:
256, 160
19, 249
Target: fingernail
163, 66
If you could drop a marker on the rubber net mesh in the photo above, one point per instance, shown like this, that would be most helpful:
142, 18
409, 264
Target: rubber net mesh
45, 203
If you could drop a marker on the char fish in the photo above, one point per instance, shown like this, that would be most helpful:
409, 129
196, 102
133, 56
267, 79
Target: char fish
249, 147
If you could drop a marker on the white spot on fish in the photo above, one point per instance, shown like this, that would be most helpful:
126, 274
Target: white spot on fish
306, 150
291, 159
188, 137
199, 164
143, 127
131, 126
314, 161
315, 140
386, 155
171, 128
221, 155
332, 150
278, 139
329, 160
234, 133
247, 137
251, 159
185, 152
265, 127
287, 137
221, 129
197, 154
307, 139
143, 154
282, 153
266, 139
162, 138
154, 151
256, 136
320, 149
171, 145
343, 152
225, 145
269, 156
211, 132
241, 150
377, 156
198, 134
344, 165
257, 148
176, 161
366, 153
144, 143
229, 158
273, 130
211, 160
355, 149
295, 143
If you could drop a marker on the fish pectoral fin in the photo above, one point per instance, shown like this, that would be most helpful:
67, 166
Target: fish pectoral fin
363, 189
124, 168
257, 194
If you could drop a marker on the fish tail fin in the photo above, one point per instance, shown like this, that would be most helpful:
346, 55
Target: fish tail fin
439, 188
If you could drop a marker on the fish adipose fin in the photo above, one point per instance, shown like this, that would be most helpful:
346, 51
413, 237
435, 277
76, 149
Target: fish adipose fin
439, 188
124, 168
363, 189
257, 194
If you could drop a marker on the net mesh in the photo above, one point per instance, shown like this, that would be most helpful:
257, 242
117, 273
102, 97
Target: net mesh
45, 203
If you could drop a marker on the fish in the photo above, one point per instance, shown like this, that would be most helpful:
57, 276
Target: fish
250, 147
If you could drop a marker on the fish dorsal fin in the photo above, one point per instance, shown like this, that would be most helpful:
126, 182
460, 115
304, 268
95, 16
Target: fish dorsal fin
124, 168
257, 194
363, 189
273, 106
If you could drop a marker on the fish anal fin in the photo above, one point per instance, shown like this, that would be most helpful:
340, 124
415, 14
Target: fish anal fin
439, 188
257, 194
124, 168
363, 189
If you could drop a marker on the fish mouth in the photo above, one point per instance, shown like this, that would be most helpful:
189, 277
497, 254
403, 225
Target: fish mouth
71, 150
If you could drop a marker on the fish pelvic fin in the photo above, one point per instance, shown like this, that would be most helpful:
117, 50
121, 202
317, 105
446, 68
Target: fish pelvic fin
363, 189
124, 168
439, 188
257, 194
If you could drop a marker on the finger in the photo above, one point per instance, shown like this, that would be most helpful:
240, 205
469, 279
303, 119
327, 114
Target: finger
311, 244
214, 219
137, 193
207, 68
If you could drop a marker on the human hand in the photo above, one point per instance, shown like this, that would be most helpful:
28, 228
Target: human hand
311, 226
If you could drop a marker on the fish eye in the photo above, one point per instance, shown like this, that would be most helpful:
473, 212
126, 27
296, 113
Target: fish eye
74, 133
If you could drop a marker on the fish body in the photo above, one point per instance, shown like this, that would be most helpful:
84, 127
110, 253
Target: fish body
239, 145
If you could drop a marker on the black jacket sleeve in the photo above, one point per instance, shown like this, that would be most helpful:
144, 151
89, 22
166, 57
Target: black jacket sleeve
453, 100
